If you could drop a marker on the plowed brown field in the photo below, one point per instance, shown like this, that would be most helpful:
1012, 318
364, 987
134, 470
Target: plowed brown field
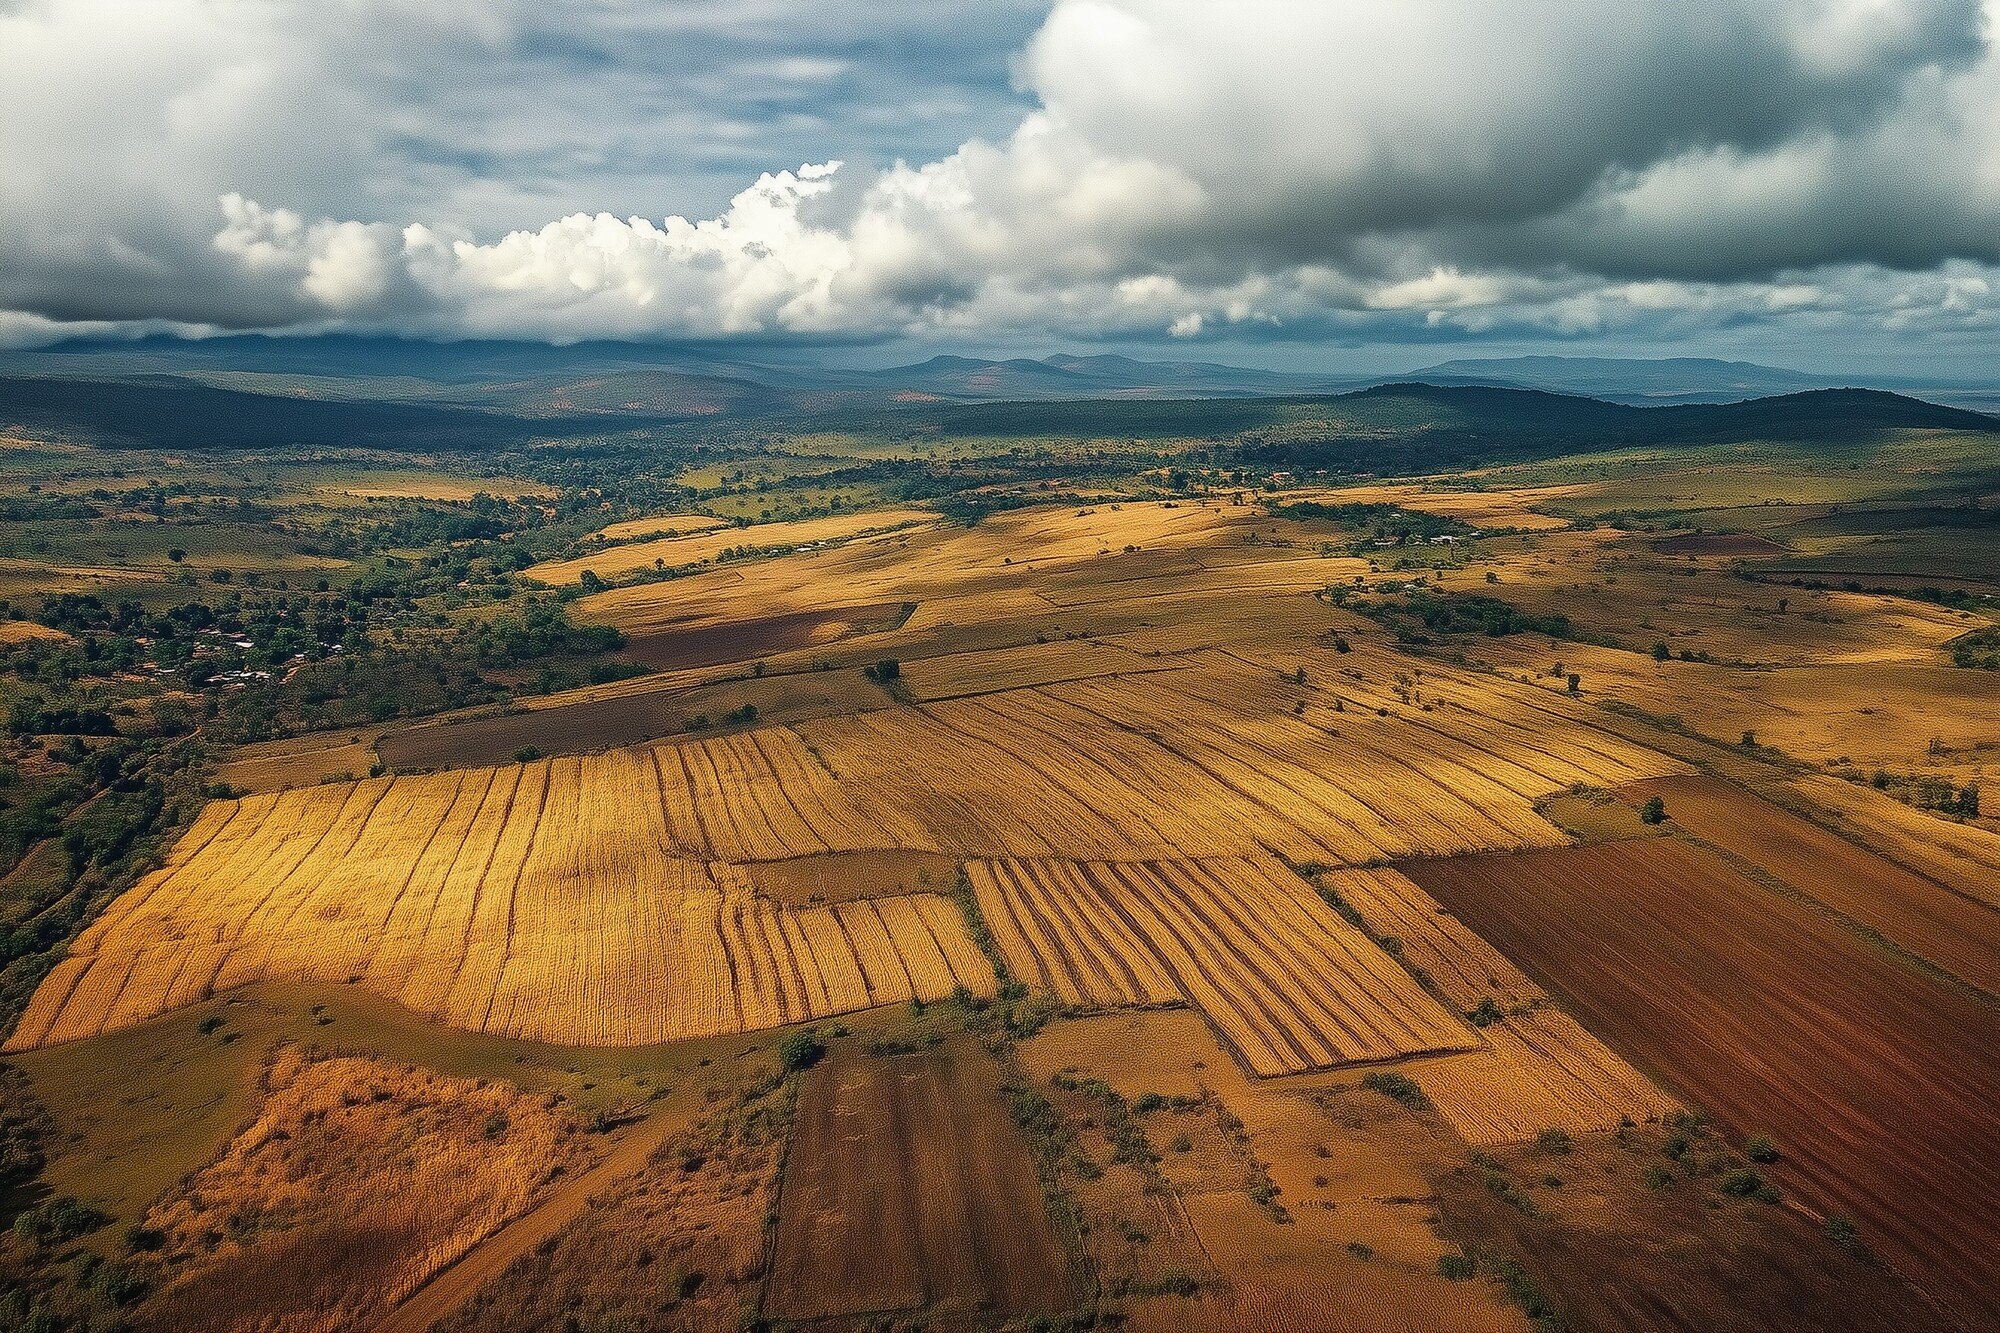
1537, 1068
907, 1185
1881, 1085
1960, 935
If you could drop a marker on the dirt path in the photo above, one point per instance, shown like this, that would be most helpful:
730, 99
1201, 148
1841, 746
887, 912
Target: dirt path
451, 1287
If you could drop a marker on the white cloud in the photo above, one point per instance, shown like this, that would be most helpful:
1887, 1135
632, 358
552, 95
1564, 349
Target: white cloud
1296, 167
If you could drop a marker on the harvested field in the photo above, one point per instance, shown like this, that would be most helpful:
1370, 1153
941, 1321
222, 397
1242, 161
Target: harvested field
672, 645
567, 900
1959, 935
1505, 509
1881, 1086
1289, 984
907, 1185
1963, 857
1537, 1068
663, 525
616, 562
958, 674
302, 761
599, 719
292, 1230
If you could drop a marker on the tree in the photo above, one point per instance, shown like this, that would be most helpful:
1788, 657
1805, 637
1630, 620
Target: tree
1661, 652
1653, 811
1575, 682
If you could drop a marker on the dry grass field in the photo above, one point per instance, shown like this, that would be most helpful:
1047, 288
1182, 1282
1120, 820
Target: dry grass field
291, 1228
1345, 1167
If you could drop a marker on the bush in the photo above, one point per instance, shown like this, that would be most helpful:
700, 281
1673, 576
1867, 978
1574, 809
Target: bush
1761, 1149
1555, 1142
1485, 1014
1396, 1087
1456, 1267
1741, 1184
799, 1050
57, 1220
1654, 811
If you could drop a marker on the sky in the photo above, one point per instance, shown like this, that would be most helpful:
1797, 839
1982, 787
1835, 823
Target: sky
1297, 183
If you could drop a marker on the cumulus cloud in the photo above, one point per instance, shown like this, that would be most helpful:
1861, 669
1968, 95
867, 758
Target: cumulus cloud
1270, 168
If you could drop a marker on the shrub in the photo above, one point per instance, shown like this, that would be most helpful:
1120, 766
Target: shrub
1555, 1142
799, 1050
1485, 1014
1456, 1267
1761, 1149
1741, 1184
1654, 811
57, 1220
1396, 1087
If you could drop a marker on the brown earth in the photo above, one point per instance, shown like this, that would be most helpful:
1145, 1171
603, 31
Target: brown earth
1881, 1085
1719, 544
1956, 933
907, 1185
1610, 1251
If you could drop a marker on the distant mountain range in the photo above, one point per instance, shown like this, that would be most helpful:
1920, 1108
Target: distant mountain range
537, 379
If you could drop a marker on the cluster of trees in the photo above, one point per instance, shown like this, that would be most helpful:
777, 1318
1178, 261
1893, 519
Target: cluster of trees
1422, 611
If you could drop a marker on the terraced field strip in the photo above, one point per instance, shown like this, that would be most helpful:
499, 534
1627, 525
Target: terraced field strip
689, 548
1963, 857
1289, 983
1881, 1085
550, 901
1960, 935
958, 674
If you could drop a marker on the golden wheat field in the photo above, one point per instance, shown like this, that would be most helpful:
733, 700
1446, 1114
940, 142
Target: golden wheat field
1291, 985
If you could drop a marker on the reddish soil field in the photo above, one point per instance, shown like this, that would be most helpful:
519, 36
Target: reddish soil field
1880, 1085
1719, 544
907, 1185
577, 728
1954, 932
669, 648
